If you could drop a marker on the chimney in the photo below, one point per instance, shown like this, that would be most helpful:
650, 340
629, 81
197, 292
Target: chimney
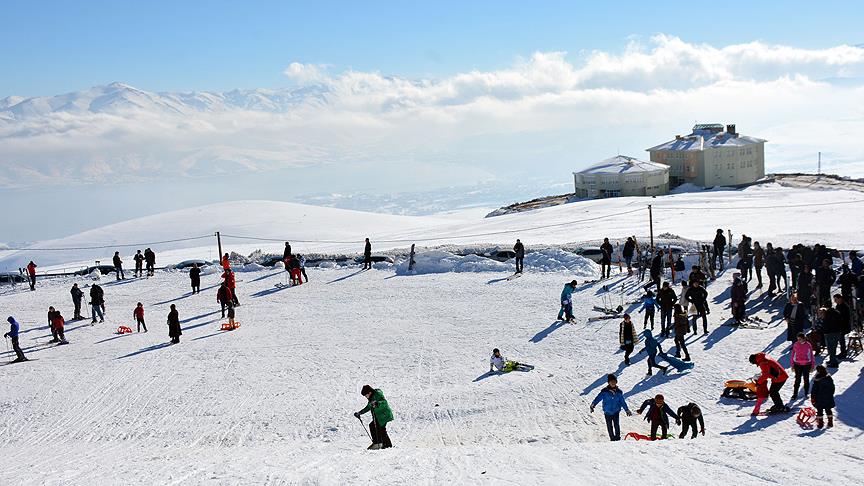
730, 129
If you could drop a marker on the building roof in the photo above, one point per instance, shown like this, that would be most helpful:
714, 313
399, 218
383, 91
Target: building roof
622, 164
705, 137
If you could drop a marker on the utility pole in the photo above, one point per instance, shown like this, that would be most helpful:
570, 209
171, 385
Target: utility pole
819, 166
219, 242
651, 226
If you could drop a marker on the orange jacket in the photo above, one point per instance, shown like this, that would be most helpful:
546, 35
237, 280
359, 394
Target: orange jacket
771, 370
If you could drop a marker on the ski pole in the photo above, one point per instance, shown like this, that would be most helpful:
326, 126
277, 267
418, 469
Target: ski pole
365, 429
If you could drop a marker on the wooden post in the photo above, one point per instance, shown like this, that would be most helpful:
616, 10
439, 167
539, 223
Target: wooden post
651, 226
219, 243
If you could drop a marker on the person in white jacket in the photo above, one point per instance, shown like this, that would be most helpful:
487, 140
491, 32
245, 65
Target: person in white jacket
502, 364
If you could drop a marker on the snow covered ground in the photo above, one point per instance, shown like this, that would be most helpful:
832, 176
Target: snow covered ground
271, 402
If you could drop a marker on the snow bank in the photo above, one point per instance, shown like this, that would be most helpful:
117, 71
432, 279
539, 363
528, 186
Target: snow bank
549, 260
252, 267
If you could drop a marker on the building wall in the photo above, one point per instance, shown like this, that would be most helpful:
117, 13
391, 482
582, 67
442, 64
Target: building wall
610, 185
714, 166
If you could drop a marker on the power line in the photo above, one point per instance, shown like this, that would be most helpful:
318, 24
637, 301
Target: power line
785, 206
119, 245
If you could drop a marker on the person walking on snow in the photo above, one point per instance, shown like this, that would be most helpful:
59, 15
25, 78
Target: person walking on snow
174, 331
139, 264
771, 370
667, 298
758, 262
381, 416
627, 337
719, 248
195, 278
14, 329
627, 253
566, 312
682, 327
803, 360
613, 402
504, 365
739, 299
698, 296
688, 416
367, 255
97, 303
652, 347
658, 415
224, 297
118, 266
31, 272
150, 260
57, 323
606, 258
77, 295
138, 315
648, 305
822, 396
519, 248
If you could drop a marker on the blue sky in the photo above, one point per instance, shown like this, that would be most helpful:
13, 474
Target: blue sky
51, 47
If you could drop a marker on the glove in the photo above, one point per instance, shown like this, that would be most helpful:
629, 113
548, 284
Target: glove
703, 431
678, 422
357, 414
592, 409
629, 413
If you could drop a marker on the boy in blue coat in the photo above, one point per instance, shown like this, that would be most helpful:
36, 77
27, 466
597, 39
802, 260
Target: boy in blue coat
652, 347
613, 402
14, 329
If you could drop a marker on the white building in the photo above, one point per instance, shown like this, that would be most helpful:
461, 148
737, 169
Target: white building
711, 156
622, 176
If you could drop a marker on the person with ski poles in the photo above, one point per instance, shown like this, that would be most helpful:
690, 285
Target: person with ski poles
381, 416
14, 330
613, 402
658, 415
688, 416
627, 337
771, 370
566, 312
648, 305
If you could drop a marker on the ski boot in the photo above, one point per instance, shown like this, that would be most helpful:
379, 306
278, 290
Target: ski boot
820, 422
830, 422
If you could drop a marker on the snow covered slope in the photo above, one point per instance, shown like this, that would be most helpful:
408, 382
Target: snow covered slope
773, 213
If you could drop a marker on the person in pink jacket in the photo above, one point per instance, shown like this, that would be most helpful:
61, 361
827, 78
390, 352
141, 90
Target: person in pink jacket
803, 361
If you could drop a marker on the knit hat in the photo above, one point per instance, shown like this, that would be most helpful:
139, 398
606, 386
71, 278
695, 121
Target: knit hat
753, 359
658, 397
366, 390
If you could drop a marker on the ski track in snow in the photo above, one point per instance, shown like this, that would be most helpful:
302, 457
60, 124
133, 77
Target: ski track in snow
271, 402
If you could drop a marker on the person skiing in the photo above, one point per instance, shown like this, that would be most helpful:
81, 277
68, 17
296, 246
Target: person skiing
771, 370
224, 297
174, 331
649, 303
367, 255
150, 259
627, 253
225, 262
77, 295
519, 248
627, 337
658, 415
138, 315
652, 347
566, 312
682, 326
57, 323
698, 296
758, 262
97, 303
719, 248
139, 264
688, 416
739, 299
802, 360
606, 258
381, 416
504, 365
14, 330
795, 315
118, 266
822, 396
195, 278
613, 402
31, 272
666, 298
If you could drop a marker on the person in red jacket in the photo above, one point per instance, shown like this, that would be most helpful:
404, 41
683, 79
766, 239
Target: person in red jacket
31, 272
138, 314
231, 282
771, 370
56, 321
225, 262
225, 297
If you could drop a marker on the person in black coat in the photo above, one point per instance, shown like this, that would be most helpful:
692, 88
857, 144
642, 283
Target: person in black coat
118, 266
77, 295
739, 299
805, 285
698, 296
656, 270
688, 416
606, 259
519, 249
845, 313
833, 331
658, 415
667, 298
367, 255
97, 303
174, 331
627, 253
195, 278
795, 315
150, 258
825, 278
139, 264
719, 248
822, 396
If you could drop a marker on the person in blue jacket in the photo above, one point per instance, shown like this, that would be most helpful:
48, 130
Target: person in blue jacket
613, 401
14, 329
652, 347
649, 303
658, 415
566, 312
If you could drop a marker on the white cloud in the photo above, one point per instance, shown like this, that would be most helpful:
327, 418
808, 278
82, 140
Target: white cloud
306, 73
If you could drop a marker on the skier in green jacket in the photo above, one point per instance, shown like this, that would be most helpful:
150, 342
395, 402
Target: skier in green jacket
381, 415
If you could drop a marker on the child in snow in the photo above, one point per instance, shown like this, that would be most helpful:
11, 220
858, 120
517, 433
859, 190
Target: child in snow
771, 370
648, 305
658, 415
627, 337
566, 312
688, 416
138, 314
652, 347
381, 415
231, 314
500, 363
803, 361
56, 321
613, 401
761, 396
822, 396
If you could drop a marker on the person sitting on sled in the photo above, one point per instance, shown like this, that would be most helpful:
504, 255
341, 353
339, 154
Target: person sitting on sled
658, 415
500, 363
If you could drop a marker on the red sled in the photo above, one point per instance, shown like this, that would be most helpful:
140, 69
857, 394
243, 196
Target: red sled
124, 330
805, 417
638, 436
227, 326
